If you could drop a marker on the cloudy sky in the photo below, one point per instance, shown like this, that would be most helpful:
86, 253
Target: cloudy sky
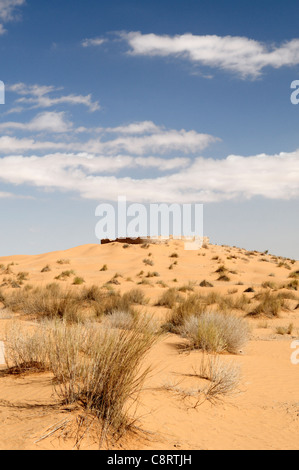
173, 101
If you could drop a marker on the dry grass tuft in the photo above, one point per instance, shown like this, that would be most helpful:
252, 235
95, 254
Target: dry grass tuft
282, 330
216, 332
270, 305
224, 378
98, 368
169, 298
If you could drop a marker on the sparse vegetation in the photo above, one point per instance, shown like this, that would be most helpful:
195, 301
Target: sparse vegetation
148, 262
63, 261
78, 281
97, 368
169, 298
224, 378
294, 275
135, 296
64, 275
281, 330
192, 305
187, 287
270, 305
205, 283
46, 269
223, 278
215, 332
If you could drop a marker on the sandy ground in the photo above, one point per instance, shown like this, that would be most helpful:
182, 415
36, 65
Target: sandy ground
264, 414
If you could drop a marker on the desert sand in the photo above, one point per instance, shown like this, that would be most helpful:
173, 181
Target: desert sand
262, 414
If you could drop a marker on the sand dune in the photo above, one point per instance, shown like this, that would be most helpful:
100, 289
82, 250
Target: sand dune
264, 414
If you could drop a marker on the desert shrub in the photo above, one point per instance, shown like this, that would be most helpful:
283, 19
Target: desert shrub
223, 378
145, 245
287, 295
148, 262
205, 283
294, 275
214, 298
152, 274
192, 305
22, 276
282, 330
78, 281
269, 305
104, 268
46, 269
223, 278
144, 282
293, 285
44, 302
25, 350
112, 302
91, 294
221, 270
65, 274
240, 303
121, 320
127, 321
63, 261
169, 298
162, 284
135, 296
98, 368
269, 285
232, 291
224, 302
2, 296
187, 287
101, 370
215, 332
283, 264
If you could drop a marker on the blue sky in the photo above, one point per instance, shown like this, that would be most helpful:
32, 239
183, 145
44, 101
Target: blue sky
172, 101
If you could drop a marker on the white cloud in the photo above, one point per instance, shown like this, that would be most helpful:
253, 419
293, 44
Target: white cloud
9, 145
202, 181
43, 122
143, 127
93, 42
6, 195
38, 96
240, 55
8, 11
7, 8
160, 143
163, 164
143, 138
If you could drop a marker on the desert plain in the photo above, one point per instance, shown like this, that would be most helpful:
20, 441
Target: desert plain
251, 401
